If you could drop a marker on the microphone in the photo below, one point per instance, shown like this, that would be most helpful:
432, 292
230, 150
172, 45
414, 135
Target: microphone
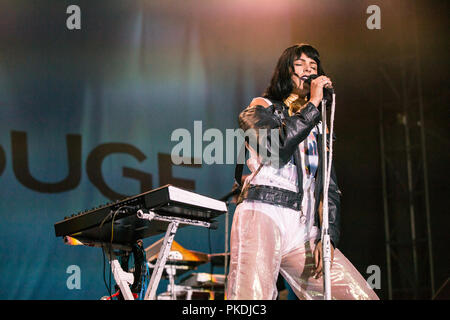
327, 88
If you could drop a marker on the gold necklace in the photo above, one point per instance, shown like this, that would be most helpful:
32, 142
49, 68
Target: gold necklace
294, 103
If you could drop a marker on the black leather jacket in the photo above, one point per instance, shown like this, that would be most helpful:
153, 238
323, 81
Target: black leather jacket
293, 130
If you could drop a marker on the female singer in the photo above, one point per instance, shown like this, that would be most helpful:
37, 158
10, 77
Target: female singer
276, 225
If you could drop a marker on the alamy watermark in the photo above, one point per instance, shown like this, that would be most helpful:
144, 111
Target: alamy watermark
73, 22
374, 280
74, 280
214, 147
374, 20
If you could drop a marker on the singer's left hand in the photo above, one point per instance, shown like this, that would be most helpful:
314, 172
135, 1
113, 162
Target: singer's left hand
318, 259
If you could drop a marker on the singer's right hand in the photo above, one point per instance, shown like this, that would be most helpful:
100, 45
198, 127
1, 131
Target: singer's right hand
316, 89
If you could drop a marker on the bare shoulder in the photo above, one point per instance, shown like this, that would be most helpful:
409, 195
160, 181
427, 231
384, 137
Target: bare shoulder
259, 101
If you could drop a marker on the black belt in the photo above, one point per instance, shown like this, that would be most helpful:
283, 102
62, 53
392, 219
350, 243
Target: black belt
272, 195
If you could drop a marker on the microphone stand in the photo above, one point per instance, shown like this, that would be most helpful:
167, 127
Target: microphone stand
325, 236
225, 198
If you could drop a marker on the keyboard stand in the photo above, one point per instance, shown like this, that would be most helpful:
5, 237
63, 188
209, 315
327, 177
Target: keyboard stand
174, 222
122, 278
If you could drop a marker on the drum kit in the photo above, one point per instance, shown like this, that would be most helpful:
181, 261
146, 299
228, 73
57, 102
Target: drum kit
191, 285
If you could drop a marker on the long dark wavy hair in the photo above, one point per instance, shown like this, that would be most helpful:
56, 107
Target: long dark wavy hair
281, 84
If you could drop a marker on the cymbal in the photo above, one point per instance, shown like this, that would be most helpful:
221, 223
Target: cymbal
204, 280
178, 255
218, 259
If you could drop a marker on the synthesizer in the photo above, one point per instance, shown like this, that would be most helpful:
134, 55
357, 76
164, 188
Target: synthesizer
118, 222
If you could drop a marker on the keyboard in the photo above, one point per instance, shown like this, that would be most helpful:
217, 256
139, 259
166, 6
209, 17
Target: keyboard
117, 222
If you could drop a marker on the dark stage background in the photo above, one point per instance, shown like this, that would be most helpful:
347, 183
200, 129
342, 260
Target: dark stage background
138, 70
